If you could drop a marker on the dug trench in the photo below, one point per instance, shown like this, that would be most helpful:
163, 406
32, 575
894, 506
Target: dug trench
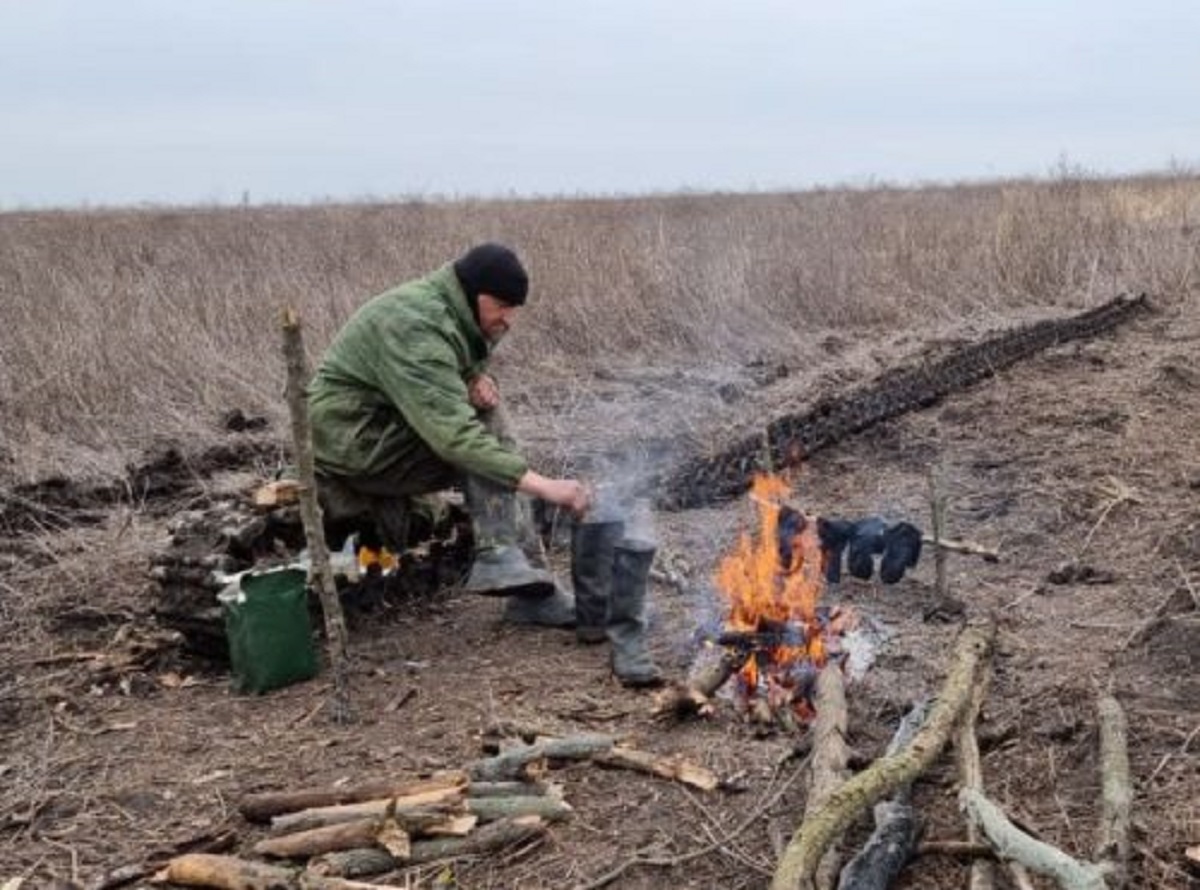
1079, 464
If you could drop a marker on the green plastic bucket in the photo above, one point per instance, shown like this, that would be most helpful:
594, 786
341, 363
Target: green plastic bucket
270, 638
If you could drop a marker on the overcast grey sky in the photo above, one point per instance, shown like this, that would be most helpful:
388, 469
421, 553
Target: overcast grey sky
127, 101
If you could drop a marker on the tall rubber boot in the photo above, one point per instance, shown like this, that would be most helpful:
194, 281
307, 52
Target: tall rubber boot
626, 625
592, 552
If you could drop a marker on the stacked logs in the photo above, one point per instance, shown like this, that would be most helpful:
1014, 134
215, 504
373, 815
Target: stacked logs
337, 835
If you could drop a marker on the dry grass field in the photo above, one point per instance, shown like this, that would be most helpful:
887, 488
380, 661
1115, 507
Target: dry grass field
685, 319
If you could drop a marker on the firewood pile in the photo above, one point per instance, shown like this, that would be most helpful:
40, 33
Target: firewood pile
326, 838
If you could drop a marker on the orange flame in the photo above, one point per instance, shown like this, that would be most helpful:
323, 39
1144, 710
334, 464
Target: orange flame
763, 592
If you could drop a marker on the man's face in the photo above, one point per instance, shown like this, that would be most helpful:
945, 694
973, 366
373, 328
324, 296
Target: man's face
495, 317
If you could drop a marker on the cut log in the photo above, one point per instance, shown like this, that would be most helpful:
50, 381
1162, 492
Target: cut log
417, 807
528, 762
695, 696
892, 843
493, 809
310, 511
512, 789
830, 753
263, 806
957, 849
970, 772
343, 836
800, 859
231, 873
668, 767
488, 839
1116, 793
1012, 843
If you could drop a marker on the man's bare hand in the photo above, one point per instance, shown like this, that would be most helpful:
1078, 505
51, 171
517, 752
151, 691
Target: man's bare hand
571, 494
483, 393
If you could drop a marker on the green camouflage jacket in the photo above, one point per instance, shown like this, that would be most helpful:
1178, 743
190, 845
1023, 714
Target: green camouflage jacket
396, 376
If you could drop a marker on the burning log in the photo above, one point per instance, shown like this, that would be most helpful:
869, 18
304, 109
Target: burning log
798, 865
892, 843
695, 695
1012, 843
263, 806
1116, 793
373, 861
231, 873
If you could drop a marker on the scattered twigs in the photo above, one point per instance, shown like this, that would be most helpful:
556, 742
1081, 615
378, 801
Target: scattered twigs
263, 806
1011, 842
798, 864
1115, 493
310, 512
1116, 792
891, 844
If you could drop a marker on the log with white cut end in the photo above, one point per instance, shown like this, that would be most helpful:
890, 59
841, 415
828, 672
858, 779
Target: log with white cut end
343, 836
428, 804
798, 865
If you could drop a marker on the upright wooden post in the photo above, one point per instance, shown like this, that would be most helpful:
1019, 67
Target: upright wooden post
310, 512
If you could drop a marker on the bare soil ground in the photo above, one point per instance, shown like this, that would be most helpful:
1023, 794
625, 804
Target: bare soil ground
1088, 455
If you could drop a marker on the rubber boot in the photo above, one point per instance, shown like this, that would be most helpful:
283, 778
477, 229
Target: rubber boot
592, 546
626, 625
500, 567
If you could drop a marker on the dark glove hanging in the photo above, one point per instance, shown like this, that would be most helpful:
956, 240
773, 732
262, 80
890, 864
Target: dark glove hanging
862, 541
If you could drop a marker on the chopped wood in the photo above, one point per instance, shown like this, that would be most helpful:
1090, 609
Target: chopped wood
1193, 854
967, 548
277, 493
827, 767
261, 807
892, 842
1116, 792
428, 805
957, 849
310, 512
342, 836
231, 873
799, 862
1011, 842
512, 789
528, 762
487, 839
667, 767
970, 772
694, 697
493, 809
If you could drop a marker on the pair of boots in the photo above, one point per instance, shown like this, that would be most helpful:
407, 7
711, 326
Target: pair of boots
610, 574
501, 566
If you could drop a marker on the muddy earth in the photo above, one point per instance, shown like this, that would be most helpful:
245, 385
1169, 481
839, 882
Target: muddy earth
1081, 465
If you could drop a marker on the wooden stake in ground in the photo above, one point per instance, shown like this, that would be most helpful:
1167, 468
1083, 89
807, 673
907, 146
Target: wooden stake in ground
310, 512
798, 865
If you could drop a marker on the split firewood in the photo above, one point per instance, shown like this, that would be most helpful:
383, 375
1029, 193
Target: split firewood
374, 861
529, 761
695, 695
415, 807
967, 548
894, 838
277, 493
667, 767
310, 512
231, 873
1116, 793
384, 832
1011, 842
800, 859
830, 753
970, 772
263, 806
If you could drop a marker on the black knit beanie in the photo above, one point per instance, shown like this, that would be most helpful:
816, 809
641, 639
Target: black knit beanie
492, 269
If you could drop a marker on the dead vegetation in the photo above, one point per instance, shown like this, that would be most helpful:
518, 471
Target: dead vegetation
655, 318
